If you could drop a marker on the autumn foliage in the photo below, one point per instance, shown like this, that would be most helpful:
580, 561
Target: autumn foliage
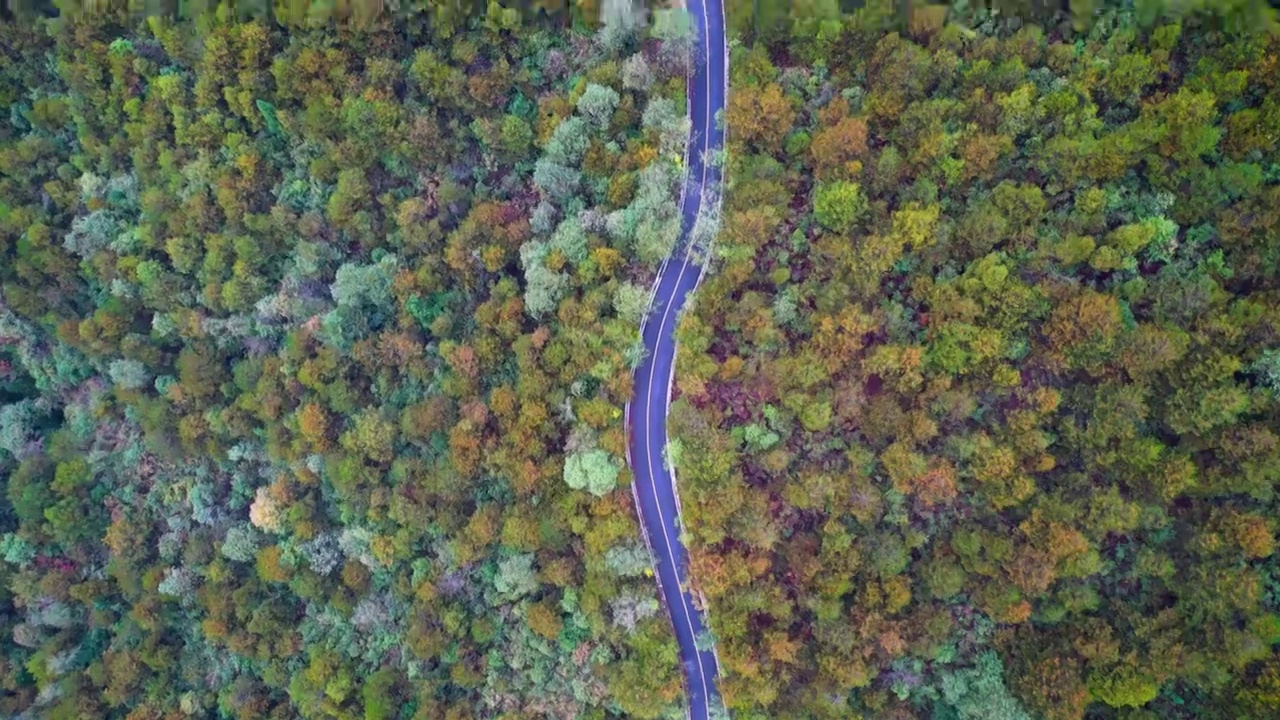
976, 417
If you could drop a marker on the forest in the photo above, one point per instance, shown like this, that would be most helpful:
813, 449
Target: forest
978, 407
315, 334
317, 323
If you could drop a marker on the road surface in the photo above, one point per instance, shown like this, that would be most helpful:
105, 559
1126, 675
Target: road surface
654, 487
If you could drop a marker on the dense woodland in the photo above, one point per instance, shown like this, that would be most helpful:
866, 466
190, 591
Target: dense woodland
979, 407
316, 325
314, 340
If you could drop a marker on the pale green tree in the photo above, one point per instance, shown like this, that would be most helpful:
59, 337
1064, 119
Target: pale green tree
594, 471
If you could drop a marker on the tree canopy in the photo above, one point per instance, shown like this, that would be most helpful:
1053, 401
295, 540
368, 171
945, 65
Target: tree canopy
310, 326
976, 408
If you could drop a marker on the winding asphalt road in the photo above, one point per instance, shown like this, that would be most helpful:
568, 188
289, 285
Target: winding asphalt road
654, 485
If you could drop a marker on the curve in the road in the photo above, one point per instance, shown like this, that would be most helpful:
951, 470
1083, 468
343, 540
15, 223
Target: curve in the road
654, 485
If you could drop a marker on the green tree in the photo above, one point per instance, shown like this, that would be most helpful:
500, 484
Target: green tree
597, 104
594, 471
839, 205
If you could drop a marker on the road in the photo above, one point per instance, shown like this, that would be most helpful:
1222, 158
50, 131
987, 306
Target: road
654, 486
